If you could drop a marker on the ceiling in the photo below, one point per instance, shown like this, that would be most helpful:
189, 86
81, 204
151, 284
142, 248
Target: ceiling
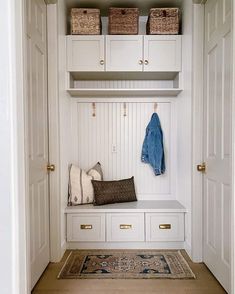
143, 5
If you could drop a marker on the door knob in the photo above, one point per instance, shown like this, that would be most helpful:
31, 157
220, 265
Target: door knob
50, 167
140, 62
146, 62
102, 62
201, 167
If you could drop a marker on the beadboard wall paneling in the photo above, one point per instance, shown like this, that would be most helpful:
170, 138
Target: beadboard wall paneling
124, 84
116, 141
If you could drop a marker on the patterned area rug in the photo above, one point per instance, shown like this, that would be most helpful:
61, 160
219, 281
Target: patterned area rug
129, 264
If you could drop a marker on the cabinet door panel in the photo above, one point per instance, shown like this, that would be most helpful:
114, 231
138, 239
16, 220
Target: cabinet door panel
85, 53
124, 53
162, 53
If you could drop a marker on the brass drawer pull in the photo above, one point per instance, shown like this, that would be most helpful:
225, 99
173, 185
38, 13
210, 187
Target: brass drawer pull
86, 227
165, 227
125, 227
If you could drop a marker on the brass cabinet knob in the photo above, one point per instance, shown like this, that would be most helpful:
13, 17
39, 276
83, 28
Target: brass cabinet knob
146, 62
102, 62
141, 62
201, 167
51, 167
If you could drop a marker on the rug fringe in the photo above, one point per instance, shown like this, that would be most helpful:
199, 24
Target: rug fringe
58, 276
185, 262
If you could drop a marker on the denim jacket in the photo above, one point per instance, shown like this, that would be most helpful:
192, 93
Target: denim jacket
152, 150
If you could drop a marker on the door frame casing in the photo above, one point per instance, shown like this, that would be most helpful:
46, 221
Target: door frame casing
197, 131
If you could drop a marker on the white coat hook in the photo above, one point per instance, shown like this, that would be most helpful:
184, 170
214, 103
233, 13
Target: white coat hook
93, 109
155, 107
124, 106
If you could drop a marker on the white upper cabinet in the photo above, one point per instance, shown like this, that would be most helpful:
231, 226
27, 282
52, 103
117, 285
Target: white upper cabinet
162, 53
85, 53
124, 53
118, 53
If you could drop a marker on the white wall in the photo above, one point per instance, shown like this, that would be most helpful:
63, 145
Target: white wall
13, 278
64, 109
184, 135
6, 210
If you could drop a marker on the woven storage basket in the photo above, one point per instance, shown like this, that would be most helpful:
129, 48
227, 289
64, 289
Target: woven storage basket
85, 21
163, 21
123, 21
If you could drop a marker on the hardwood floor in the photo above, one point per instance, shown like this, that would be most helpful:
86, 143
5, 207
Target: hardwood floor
205, 283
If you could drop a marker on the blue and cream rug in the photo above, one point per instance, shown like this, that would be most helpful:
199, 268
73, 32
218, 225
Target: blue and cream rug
128, 264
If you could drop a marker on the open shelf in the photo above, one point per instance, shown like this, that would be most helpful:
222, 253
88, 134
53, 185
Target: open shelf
123, 84
123, 92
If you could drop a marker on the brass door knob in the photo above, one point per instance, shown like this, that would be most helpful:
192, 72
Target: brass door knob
146, 62
201, 167
102, 62
50, 167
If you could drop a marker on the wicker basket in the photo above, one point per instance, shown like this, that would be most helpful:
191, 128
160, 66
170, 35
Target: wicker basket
163, 21
123, 21
85, 21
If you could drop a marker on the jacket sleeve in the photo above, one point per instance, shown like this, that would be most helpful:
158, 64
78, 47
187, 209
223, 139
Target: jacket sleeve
156, 151
144, 154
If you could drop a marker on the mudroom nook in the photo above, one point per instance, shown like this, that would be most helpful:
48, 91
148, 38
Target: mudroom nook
119, 129
115, 83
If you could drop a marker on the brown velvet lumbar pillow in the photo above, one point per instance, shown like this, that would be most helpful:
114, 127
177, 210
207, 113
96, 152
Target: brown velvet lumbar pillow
107, 192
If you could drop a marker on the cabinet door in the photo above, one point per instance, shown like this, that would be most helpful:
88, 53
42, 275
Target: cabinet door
162, 53
124, 53
85, 53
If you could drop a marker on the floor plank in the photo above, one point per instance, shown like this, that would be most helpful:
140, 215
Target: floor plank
205, 283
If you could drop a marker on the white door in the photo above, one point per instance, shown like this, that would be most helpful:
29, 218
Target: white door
37, 137
124, 53
217, 141
85, 53
162, 53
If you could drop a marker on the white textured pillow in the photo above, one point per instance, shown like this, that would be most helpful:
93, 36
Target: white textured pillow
80, 186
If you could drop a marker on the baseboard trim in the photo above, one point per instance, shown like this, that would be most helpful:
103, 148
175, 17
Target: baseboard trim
63, 248
188, 249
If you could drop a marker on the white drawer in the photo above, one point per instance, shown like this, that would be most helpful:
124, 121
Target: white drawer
164, 227
86, 227
123, 227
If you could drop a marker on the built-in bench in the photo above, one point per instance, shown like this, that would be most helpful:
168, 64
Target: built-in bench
140, 224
